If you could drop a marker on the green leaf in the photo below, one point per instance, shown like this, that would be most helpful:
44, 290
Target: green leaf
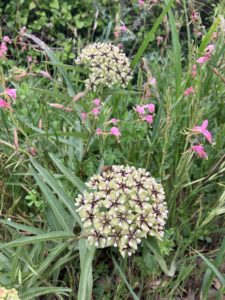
124, 279
50, 236
69, 175
149, 37
40, 291
213, 268
60, 215
22, 227
208, 278
63, 196
86, 280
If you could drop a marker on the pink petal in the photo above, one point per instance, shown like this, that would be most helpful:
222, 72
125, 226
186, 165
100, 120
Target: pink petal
197, 129
207, 135
204, 125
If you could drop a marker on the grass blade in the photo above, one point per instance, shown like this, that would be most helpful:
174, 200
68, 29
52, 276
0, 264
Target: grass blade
150, 36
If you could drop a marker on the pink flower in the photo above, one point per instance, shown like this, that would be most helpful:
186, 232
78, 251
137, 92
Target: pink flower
83, 116
150, 107
123, 28
4, 104
97, 102
140, 110
149, 119
11, 93
152, 81
203, 59
199, 150
29, 58
96, 111
45, 74
6, 39
141, 2
116, 34
115, 131
194, 71
3, 49
202, 129
159, 40
113, 121
98, 131
209, 49
189, 91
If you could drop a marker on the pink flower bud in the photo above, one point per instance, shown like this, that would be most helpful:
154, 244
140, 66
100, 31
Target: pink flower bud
115, 131
149, 119
83, 116
96, 111
6, 39
4, 104
140, 110
98, 131
150, 107
189, 91
113, 121
11, 93
97, 102
199, 150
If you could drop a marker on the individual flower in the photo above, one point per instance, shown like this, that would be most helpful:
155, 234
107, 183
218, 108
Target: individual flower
83, 116
199, 150
203, 59
159, 40
141, 2
150, 107
125, 205
152, 81
95, 111
11, 294
3, 49
97, 102
113, 121
202, 130
45, 74
194, 71
108, 65
115, 131
29, 58
189, 91
11, 93
7, 39
140, 110
98, 131
4, 104
149, 119
123, 28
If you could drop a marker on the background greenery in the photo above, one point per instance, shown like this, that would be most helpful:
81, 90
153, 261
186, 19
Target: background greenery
40, 251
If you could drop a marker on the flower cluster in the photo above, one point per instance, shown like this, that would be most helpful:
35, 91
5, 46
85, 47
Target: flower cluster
202, 129
108, 65
126, 205
8, 294
207, 54
145, 112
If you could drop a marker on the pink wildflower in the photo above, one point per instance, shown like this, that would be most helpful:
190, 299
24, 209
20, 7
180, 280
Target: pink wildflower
4, 104
152, 81
149, 119
29, 58
45, 74
83, 116
189, 91
123, 28
97, 102
203, 59
140, 110
209, 49
6, 39
159, 40
11, 93
96, 111
114, 121
3, 49
115, 131
98, 131
33, 151
194, 71
141, 2
150, 107
199, 150
202, 129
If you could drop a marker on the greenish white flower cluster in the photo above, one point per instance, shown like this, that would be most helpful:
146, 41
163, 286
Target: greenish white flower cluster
8, 294
126, 205
108, 65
